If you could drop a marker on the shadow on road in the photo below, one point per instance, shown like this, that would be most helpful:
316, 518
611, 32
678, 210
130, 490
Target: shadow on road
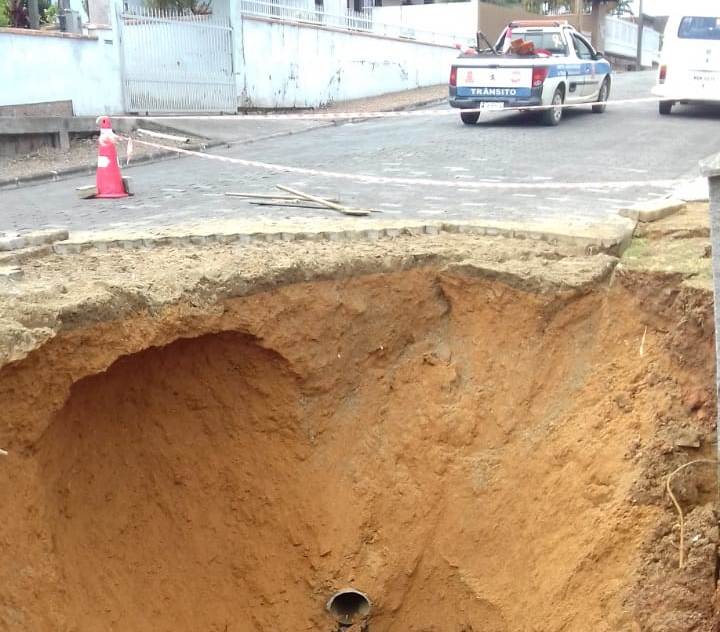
523, 119
708, 111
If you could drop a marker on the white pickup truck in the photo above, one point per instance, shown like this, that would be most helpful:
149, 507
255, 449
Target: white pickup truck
533, 63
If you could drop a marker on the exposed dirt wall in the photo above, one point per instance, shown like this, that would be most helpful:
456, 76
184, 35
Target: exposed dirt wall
472, 454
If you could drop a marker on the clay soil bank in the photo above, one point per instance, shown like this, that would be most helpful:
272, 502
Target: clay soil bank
477, 442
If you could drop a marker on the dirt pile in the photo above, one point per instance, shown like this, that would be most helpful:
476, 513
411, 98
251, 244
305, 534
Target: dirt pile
469, 454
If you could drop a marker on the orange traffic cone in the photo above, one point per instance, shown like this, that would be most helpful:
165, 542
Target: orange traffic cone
108, 180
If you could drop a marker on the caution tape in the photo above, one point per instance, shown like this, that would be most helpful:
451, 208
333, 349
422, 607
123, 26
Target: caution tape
339, 116
374, 179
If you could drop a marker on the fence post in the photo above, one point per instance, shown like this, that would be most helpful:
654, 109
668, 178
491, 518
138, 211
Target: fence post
711, 170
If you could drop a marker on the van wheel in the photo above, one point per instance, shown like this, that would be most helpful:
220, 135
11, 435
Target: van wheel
552, 116
469, 118
665, 107
602, 98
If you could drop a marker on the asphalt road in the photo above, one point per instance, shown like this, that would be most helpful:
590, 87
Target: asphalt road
627, 142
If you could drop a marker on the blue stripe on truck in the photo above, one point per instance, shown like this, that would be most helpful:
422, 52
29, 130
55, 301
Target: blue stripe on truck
494, 92
576, 70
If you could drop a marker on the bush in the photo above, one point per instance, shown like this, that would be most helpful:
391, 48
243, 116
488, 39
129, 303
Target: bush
49, 15
4, 19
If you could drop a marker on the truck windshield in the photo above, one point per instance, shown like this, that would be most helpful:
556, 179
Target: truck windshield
700, 28
550, 41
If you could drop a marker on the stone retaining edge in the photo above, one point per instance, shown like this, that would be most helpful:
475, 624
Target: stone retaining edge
589, 245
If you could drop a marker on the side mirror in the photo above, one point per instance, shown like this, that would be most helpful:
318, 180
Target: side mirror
599, 54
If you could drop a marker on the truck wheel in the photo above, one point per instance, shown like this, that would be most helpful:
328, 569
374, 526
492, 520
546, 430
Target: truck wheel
552, 116
602, 98
665, 107
469, 118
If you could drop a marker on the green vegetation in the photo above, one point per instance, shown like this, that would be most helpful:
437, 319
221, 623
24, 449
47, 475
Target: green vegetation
15, 13
49, 15
197, 7
562, 6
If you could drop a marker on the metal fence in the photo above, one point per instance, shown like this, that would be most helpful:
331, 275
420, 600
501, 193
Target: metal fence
176, 62
303, 12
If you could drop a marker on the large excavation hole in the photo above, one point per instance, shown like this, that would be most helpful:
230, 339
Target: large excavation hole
472, 456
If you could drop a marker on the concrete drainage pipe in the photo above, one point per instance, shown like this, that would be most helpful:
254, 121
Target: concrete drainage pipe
349, 606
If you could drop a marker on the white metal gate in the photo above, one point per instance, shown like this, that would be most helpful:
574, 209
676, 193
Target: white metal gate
174, 63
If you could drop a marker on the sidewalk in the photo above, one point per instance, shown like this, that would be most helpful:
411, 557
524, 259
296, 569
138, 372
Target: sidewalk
52, 164
234, 129
394, 101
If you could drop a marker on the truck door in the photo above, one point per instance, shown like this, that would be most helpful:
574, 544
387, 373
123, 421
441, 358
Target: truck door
588, 82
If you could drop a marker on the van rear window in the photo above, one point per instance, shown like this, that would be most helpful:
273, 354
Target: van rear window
700, 28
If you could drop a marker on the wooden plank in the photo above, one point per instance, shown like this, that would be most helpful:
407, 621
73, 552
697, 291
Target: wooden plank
268, 196
288, 204
261, 196
327, 203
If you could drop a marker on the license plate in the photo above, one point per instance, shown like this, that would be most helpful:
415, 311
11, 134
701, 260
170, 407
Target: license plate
704, 77
491, 105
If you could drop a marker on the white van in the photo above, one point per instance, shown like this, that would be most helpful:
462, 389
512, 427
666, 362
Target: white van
690, 59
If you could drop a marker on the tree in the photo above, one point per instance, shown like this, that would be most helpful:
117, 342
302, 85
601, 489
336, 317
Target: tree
19, 13
623, 7
560, 7
552, 6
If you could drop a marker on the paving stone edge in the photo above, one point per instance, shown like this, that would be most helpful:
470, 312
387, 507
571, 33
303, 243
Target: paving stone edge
588, 245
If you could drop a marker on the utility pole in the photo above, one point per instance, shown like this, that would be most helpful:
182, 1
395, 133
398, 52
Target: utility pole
641, 24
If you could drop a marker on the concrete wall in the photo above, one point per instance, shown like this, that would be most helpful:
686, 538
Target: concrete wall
281, 64
459, 18
36, 67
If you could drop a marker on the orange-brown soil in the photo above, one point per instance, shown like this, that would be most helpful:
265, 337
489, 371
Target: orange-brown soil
472, 456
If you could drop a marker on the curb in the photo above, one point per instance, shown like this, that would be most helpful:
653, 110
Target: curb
401, 108
588, 245
250, 141
18, 257
653, 211
33, 239
696, 190
62, 174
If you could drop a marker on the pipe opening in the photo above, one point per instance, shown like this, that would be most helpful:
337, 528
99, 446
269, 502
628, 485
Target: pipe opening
348, 606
